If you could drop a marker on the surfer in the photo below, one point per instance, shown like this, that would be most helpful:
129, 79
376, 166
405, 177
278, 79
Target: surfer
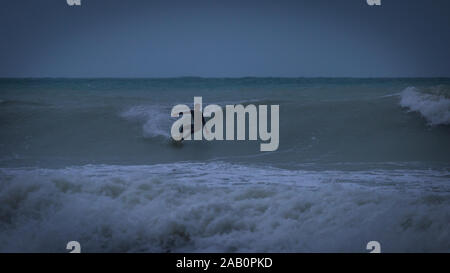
195, 126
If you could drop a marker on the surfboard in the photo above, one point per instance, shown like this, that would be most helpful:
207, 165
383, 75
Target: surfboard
176, 143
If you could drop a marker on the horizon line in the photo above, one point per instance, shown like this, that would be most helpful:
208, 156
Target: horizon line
240, 77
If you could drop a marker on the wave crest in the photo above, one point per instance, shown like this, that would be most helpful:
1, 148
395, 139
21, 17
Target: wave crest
155, 119
432, 104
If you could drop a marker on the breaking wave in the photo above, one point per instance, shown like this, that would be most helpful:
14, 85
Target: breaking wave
155, 120
220, 207
433, 105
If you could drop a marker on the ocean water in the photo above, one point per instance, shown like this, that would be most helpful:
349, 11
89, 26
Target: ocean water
91, 160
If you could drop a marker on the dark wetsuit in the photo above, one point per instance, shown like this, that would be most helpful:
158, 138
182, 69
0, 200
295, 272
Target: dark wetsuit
192, 122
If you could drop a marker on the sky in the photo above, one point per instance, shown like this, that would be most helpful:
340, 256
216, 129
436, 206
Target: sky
224, 38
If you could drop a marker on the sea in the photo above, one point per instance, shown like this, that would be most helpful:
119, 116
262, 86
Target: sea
92, 160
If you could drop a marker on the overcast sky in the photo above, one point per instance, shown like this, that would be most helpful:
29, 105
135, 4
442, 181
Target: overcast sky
224, 38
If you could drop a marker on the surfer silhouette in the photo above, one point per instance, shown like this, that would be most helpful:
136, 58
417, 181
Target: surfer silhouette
194, 127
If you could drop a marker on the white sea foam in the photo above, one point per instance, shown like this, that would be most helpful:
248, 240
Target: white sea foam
155, 119
221, 207
434, 107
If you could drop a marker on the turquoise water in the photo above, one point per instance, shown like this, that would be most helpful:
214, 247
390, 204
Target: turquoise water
358, 160
322, 121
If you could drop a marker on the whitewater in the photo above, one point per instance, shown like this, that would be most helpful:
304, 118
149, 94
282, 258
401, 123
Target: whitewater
91, 160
